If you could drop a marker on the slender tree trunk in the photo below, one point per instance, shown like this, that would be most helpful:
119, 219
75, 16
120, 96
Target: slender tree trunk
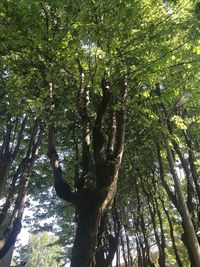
123, 250
118, 257
174, 200
162, 234
129, 257
138, 225
146, 242
163, 244
145, 248
189, 228
191, 160
152, 210
8, 151
161, 259
22, 174
189, 180
178, 259
117, 227
139, 254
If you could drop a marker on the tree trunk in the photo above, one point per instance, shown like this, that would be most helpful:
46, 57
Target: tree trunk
6, 260
129, 257
191, 160
100, 162
188, 176
139, 254
123, 250
178, 259
186, 217
23, 173
86, 237
174, 200
162, 234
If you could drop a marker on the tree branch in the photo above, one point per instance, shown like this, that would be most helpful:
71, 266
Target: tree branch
62, 188
112, 134
20, 137
98, 134
121, 122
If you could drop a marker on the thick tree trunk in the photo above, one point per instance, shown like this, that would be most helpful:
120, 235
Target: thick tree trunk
6, 260
96, 184
107, 242
86, 237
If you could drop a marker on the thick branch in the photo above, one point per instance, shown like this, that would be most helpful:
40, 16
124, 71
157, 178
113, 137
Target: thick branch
121, 121
112, 135
98, 134
20, 138
62, 188
120, 135
83, 101
4, 150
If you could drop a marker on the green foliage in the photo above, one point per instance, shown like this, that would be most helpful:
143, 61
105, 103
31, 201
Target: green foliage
43, 250
151, 43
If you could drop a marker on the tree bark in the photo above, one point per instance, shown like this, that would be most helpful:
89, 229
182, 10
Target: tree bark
6, 260
83, 253
174, 200
191, 160
22, 174
102, 153
178, 259
189, 228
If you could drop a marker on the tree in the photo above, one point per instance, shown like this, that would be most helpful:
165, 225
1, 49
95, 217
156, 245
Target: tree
88, 70
42, 250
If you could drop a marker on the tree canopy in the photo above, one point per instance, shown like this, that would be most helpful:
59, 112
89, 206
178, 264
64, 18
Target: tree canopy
100, 99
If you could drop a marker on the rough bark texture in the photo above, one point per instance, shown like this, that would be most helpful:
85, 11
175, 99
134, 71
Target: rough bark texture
86, 236
102, 150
